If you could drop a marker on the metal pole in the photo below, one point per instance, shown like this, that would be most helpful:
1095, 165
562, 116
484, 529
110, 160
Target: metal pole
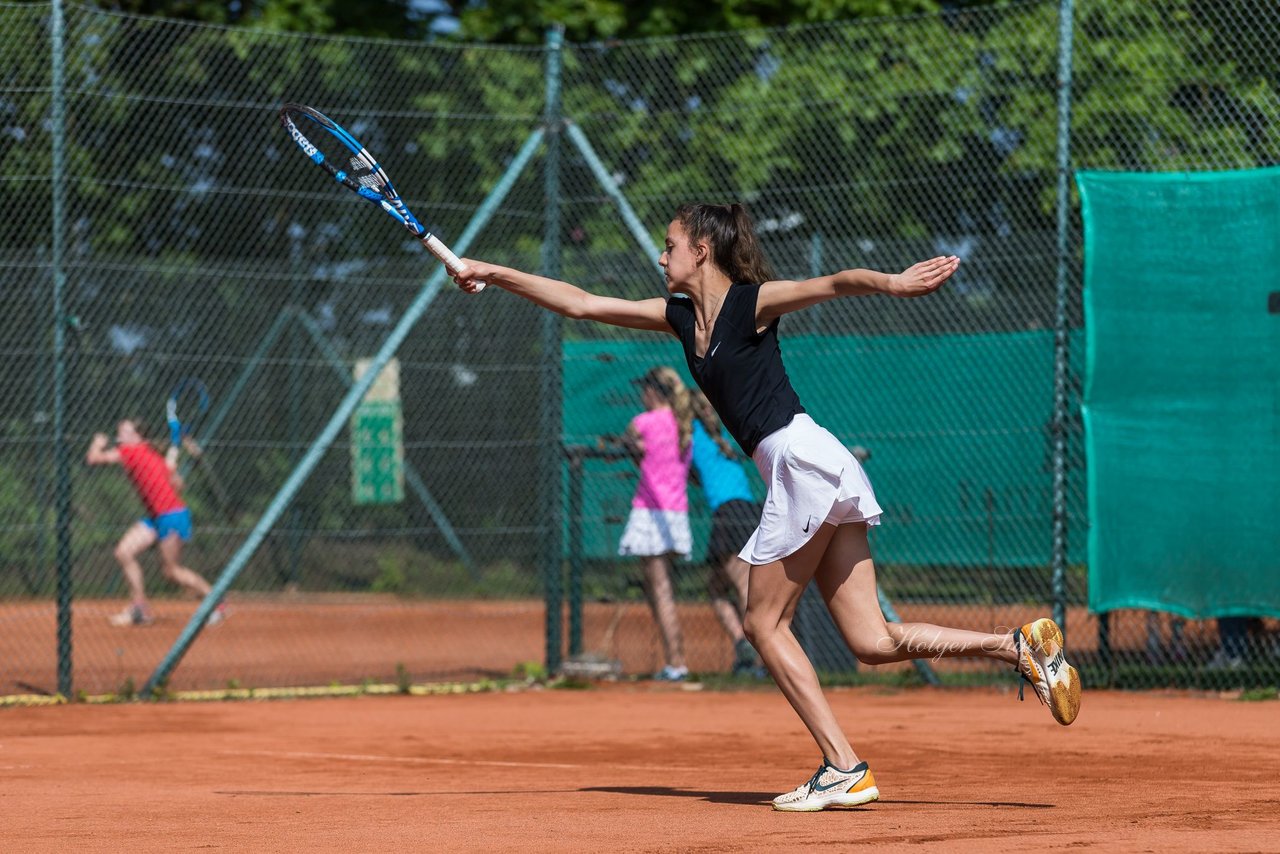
629, 218
294, 393
577, 466
338, 420
61, 453
1066, 12
890, 614
552, 324
1105, 661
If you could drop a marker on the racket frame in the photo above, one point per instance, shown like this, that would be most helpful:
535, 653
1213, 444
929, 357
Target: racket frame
388, 199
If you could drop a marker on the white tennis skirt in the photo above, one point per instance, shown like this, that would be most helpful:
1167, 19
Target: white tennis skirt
811, 479
656, 532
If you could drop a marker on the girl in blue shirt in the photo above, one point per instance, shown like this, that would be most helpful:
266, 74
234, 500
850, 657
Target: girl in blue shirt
735, 513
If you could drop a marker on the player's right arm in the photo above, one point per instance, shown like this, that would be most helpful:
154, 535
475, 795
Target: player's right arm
99, 454
569, 300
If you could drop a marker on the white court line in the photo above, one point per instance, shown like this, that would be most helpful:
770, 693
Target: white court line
430, 760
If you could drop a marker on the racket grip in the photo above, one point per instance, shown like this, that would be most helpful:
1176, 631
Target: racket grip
445, 254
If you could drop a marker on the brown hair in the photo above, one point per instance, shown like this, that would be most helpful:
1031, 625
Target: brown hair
706, 413
734, 245
143, 428
667, 383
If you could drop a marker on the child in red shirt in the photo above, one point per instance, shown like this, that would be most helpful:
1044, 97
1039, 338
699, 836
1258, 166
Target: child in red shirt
168, 521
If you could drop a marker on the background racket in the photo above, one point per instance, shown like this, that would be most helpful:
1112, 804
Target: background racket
185, 409
349, 163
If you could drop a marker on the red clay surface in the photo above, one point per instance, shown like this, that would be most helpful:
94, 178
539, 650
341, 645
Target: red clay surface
627, 768
317, 639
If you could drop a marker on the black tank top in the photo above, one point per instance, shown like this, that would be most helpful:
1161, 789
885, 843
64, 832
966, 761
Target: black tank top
742, 373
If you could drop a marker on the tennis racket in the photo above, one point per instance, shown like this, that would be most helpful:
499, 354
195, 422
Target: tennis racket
349, 163
189, 397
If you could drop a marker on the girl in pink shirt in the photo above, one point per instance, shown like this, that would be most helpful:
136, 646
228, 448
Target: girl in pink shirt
658, 525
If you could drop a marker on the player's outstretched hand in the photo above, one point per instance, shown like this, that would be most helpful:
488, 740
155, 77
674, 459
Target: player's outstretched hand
474, 276
923, 278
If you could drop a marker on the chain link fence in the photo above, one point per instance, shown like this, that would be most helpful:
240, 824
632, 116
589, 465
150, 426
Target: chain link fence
189, 242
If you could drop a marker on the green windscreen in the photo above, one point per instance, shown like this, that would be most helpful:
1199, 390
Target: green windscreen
957, 426
1182, 398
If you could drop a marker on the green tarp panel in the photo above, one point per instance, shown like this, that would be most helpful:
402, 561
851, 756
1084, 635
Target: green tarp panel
1182, 398
957, 425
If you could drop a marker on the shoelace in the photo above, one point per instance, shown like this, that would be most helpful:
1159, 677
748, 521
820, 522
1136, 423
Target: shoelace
1023, 679
817, 775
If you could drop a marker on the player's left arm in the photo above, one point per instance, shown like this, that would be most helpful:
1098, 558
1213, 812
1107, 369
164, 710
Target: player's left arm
171, 463
781, 297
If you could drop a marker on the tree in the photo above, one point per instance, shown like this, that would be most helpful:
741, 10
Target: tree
520, 22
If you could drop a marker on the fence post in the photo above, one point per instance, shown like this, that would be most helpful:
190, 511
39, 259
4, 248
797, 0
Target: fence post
576, 455
549, 432
61, 453
294, 392
1066, 12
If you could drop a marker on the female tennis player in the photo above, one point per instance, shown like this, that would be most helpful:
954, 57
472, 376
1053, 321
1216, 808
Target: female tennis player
658, 524
724, 309
168, 521
734, 516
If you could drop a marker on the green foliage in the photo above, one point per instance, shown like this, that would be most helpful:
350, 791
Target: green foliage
525, 21
571, 683
1260, 695
531, 671
391, 576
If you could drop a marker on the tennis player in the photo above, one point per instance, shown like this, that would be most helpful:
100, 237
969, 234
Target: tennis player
734, 517
724, 308
167, 523
658, 524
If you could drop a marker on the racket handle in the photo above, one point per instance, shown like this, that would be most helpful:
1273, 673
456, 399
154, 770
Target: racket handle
445, 254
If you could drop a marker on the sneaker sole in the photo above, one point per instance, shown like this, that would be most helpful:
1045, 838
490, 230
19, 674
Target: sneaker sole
1049, 650
822, 802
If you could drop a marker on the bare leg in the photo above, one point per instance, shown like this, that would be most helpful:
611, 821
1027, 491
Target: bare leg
135, 541
732, 575
846, 577
662, 601
774, 591
171, 560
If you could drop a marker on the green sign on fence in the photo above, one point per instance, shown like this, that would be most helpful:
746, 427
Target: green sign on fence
377, 440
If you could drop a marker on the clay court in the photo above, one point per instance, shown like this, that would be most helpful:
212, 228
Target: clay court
636, 768
308, 640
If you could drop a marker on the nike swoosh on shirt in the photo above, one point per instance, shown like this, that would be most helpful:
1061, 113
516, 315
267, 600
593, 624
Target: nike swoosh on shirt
807, 523
713, 350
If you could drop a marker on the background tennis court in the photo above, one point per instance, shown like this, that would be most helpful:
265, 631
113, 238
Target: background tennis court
186, 240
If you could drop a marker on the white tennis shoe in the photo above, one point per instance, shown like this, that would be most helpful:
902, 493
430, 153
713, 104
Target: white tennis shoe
831, 787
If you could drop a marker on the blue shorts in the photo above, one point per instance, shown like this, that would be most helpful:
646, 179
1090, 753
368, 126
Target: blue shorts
176, 522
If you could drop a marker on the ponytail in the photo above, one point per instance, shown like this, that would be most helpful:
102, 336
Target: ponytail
673, 390
706, 414
735, 248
